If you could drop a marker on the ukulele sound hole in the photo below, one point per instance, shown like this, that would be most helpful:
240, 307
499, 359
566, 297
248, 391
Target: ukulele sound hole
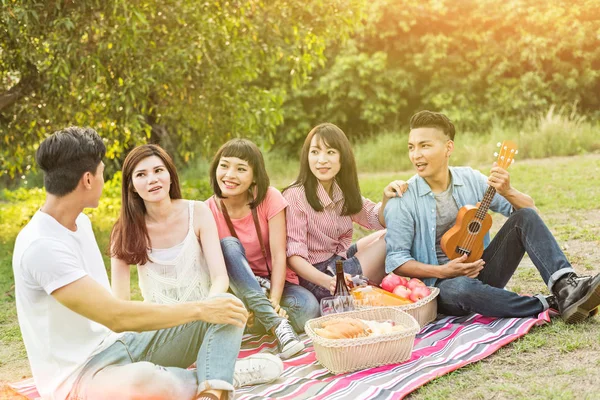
474, 227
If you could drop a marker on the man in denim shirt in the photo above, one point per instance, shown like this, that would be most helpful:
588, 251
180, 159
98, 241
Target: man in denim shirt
417, 220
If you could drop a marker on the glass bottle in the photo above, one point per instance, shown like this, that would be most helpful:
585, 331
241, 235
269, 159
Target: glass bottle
341, 289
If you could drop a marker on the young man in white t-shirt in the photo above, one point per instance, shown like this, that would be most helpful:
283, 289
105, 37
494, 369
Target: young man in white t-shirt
69, 317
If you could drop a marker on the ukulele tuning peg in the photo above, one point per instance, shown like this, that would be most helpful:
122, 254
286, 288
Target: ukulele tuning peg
495, 154
505, 147
498, 144
517, 152
512, 150
513, 161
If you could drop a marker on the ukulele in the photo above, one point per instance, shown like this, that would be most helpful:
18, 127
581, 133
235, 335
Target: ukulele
474, 222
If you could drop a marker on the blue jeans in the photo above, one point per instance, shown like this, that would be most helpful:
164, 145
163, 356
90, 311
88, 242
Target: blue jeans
524, 231
153, 364
351, 266
298, 302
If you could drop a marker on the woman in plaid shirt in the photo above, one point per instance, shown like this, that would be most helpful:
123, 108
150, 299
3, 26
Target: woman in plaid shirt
324, 201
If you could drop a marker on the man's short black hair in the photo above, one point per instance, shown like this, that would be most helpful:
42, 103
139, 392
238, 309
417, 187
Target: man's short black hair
430, 119
66, 155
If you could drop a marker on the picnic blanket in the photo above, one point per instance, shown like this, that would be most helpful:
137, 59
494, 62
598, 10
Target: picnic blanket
440, 347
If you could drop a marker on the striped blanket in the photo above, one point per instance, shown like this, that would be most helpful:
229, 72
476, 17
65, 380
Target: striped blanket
440, 347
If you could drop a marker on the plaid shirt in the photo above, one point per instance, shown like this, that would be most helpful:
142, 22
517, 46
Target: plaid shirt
318, 235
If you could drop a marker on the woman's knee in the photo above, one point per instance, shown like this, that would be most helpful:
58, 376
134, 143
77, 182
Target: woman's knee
231, 245
302, 305
226, 296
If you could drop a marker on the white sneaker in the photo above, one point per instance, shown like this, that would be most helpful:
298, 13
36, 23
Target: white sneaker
256, 369
288, 342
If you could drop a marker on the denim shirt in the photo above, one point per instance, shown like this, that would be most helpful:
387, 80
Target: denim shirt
411, 219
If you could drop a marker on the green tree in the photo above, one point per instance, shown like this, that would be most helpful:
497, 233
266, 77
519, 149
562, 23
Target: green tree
187, 74
480, 61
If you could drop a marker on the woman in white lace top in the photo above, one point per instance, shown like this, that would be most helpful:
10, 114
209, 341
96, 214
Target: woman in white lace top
171, 240
175, 245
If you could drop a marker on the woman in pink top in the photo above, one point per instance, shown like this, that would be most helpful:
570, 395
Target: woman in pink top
324, 201
250, 218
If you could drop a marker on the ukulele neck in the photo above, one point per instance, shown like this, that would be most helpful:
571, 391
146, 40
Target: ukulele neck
485, 203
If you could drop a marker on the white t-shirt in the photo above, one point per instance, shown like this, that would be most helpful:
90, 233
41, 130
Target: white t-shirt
59, 341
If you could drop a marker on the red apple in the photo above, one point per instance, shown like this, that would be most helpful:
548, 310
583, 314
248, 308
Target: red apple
403, 281
390, 282
414, 282
402, 291
419, 292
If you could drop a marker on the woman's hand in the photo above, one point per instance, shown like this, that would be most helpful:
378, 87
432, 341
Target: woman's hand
333, 281
278, 309
395, 189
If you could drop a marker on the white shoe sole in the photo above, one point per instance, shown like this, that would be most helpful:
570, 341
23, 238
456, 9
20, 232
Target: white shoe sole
271, 359
292, 350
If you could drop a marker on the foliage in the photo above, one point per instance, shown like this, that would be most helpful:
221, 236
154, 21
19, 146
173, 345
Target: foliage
482, 62
187, 74
562, 132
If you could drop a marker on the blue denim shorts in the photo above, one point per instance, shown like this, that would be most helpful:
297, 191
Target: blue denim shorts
351, 266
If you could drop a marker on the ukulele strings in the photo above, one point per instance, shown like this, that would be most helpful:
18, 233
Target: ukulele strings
465, 247
471, 236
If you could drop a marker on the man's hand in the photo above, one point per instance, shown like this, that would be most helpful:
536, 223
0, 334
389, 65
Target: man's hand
395, 189
458, 267
499, 179
224, 310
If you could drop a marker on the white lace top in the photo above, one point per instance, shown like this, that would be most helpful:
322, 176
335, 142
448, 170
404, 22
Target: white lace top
182, 278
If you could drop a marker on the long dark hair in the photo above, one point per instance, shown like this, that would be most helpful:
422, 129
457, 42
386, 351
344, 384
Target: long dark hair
246, 150
129, 239
347, 178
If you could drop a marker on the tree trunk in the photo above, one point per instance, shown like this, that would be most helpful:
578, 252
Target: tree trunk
26, 85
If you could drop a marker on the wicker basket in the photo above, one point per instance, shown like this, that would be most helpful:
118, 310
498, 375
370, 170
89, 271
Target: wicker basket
347, 355
424, 310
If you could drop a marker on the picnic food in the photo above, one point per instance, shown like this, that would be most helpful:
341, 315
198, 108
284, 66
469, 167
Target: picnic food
412, 289
413, 283
342, 328
402, 291
391, 281
350, 328
419, 292
374, 296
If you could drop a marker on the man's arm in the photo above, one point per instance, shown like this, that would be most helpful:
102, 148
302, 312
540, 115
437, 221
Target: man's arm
499, 179
91, 300
519, 200
399, 238
393, 189
454, 268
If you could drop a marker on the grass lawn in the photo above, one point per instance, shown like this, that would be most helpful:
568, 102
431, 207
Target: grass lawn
555, 361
